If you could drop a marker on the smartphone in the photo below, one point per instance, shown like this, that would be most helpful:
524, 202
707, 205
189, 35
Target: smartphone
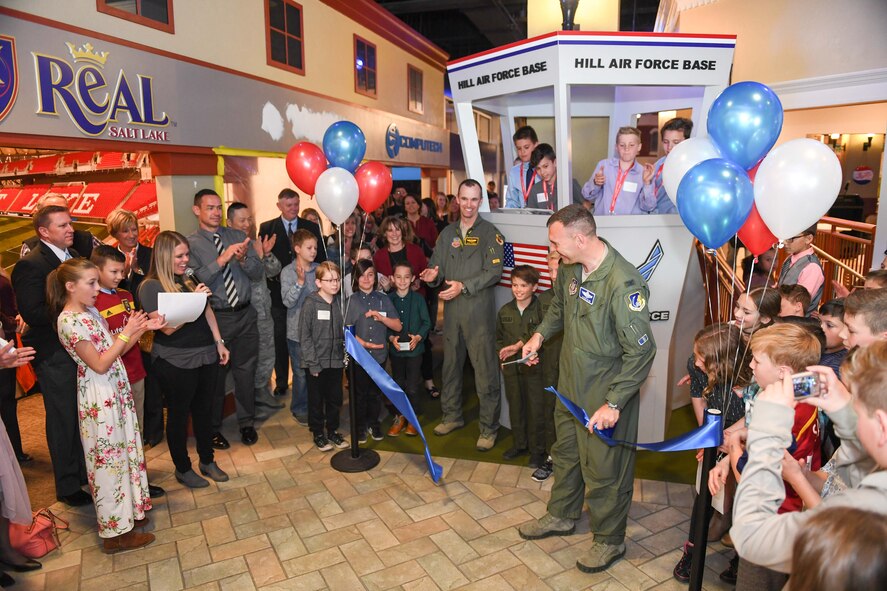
806, 384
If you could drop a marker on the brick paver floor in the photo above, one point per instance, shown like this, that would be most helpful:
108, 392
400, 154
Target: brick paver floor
287, 520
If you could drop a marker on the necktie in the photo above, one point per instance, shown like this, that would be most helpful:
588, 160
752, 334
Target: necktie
289, 229
230, 288
529, 175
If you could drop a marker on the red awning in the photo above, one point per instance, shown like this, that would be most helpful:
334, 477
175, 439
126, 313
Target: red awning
7, 196
98, 199
143, 201
27, 199
78, 161
111, 160
44, 165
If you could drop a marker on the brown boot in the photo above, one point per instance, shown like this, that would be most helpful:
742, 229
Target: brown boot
128, 541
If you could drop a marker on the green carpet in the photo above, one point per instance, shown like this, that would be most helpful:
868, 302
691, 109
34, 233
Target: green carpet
671, 467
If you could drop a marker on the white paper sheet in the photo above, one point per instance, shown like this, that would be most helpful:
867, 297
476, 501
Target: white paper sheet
179, 308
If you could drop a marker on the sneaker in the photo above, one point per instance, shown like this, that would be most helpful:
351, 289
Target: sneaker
397, 426
729, 575
445, 428
600, 557
336, 439
682, 569
361, 436
219, 441
544, 471
514, 452
545, 526
410, 431
302, 420
376, 432
322, 443
486, 442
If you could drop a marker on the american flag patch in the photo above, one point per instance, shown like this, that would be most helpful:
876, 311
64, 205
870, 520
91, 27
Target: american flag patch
525, 254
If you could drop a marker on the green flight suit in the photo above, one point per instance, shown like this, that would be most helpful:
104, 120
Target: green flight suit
523, 383
470, 318
550, 362
608, 350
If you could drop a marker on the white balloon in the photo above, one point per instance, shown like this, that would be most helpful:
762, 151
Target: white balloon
796, 184
682, 158
336, 192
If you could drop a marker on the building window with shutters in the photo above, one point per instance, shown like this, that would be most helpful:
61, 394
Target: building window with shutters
156, 14
285, 41
365, 75
415, 102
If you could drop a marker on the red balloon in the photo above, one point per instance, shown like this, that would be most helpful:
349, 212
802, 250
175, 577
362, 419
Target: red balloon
374, 182
755, 234
304, 163
753, 171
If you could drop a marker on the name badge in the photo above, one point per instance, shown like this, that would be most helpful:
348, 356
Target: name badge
586, 295
541, 197
323, 314
472, 241
630, 186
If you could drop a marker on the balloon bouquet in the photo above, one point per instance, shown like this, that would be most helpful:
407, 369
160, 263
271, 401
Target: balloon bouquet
336, 177
731, 183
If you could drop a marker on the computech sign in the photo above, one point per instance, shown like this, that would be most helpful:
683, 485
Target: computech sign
394, 142
99, 99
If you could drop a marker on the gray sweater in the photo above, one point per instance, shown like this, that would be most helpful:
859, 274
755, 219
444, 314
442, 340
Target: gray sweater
293, 295
761, 535
323, 334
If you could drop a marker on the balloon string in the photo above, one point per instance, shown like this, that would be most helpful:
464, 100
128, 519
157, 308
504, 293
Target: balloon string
359, 248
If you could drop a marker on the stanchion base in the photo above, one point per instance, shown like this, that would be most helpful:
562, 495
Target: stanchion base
344, 462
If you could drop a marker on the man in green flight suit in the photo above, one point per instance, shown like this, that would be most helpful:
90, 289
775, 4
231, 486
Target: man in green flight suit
468, 258
600, 302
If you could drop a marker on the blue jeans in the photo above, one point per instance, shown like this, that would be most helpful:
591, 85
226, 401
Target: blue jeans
299, 404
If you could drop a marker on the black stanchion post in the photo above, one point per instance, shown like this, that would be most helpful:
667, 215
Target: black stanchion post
700, 532
355, 459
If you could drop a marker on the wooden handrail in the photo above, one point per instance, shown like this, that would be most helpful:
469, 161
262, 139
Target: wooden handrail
861, 226
824, 255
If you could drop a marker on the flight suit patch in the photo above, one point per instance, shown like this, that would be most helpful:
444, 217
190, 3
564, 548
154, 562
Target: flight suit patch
472, 241
636, 301
586, 295
496, 261
642, 341
507, 319
456, 243
499, 240
574, 286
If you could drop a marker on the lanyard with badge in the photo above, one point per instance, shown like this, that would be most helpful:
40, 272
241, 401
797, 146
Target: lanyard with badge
525, 188
548, 198
620, 180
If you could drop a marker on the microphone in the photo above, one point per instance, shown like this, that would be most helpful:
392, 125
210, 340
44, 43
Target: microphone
190, 279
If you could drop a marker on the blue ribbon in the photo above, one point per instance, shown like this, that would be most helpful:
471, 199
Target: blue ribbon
709, 434
394, 393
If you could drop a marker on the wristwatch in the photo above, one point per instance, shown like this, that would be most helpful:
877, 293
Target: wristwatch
612, 405
220, 342
464, 290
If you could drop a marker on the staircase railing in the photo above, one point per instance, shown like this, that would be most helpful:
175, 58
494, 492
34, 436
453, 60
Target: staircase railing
845, 249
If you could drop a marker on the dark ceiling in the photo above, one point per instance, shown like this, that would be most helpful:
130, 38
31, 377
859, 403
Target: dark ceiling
464, 27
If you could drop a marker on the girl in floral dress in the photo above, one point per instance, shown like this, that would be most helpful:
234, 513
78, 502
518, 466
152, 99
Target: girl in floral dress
109, 431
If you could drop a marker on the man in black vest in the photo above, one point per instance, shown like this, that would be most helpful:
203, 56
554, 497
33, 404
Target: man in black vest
283, 227
55, 369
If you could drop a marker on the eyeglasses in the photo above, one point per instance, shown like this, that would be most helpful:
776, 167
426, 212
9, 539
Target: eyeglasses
333, 280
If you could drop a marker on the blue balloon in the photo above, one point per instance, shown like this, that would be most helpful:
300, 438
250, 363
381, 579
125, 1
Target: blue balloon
744, 122
714, 199
344, 145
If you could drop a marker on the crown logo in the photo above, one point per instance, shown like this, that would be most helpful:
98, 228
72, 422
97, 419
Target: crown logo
87, 54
